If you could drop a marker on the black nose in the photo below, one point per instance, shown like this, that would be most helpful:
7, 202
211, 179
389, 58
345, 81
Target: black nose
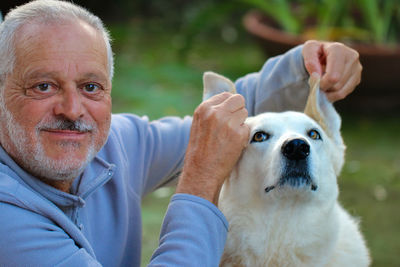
296, 149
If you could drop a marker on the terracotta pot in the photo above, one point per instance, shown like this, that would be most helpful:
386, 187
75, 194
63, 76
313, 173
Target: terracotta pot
380, 86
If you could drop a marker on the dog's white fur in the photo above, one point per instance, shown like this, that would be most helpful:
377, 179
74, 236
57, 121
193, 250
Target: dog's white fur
272, 223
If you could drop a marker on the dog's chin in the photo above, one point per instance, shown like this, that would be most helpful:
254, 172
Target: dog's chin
300, 181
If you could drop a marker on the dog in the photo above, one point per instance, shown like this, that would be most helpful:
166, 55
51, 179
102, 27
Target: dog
281, 199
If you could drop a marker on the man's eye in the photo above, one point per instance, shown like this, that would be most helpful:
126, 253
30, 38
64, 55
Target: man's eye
91, 87
41, 90
93, 91
43, 87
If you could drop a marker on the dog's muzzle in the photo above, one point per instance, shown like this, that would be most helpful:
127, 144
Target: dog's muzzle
295, 172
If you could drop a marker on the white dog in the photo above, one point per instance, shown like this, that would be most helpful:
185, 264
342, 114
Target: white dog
281, 198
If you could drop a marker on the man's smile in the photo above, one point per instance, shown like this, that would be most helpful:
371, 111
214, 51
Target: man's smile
72, 135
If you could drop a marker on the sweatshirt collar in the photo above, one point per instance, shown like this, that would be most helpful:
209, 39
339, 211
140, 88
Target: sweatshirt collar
96, 174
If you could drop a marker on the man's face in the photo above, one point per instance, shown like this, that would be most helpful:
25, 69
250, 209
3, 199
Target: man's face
56, 107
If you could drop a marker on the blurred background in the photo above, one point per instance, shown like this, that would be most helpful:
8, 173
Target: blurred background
163, 47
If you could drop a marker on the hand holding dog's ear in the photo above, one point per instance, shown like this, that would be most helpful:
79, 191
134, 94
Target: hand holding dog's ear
218, 136
338, 65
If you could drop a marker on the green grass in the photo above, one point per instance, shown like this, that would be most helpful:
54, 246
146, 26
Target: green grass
370, 183
151, 79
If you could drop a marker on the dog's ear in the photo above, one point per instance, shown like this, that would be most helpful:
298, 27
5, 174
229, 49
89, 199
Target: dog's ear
322, 111
215, 84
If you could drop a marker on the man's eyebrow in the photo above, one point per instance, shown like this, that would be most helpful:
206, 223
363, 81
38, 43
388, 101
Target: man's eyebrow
94, 76
41, 74
52, 74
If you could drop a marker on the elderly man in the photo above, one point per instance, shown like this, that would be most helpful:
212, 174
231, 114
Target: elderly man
72, 175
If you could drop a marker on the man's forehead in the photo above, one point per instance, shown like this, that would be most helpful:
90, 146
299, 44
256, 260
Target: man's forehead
59, 45
58, 30
50, 73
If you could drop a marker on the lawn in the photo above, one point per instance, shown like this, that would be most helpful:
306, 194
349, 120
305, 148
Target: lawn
152, 78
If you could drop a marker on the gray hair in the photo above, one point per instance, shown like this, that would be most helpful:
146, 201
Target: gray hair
44, 11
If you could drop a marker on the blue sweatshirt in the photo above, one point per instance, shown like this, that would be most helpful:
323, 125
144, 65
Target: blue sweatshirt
99, 222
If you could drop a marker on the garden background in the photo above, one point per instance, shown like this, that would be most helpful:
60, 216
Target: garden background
162, 49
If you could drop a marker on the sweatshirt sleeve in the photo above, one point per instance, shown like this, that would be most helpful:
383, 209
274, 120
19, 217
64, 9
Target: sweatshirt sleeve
150, 152
281, 84
193, 234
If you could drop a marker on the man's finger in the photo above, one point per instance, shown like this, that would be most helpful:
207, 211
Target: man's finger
234, 103
238, 118
336, 64
312, 53
218, 99
347, 88
333, 74
348, 72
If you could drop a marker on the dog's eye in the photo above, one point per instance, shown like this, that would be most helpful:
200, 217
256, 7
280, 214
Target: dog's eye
314, 134
260, 137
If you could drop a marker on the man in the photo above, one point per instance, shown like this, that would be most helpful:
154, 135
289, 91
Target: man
72, 175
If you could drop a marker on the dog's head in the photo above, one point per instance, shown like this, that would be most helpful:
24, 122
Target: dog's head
289, 153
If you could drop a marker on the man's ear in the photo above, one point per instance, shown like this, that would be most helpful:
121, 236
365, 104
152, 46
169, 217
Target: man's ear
322, 111
215, 84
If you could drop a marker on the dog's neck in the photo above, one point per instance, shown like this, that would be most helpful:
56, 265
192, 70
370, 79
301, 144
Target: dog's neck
282, 226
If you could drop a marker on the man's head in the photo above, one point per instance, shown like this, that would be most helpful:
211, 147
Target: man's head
56, 68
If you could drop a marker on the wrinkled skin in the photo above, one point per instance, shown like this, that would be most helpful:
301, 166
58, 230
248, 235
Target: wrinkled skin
60, 77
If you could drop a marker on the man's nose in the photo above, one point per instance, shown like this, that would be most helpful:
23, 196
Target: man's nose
70, 104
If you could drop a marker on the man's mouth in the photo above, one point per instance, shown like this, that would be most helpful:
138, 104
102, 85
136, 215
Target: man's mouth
60, 131
65, 126
65, 133
63, 130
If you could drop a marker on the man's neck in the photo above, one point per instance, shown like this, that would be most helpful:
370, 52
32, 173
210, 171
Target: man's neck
64, 186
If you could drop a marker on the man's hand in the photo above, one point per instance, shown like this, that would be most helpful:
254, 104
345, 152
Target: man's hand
338, 66
218, 136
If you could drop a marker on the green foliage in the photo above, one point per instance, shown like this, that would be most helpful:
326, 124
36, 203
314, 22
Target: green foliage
374, 21
280, 10
151, 78
203, 19
379, 15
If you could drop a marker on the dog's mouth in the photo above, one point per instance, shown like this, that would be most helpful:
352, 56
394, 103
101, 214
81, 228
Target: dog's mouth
294, 179
297, 182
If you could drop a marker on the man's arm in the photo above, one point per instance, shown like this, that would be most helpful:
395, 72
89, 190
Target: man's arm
282, 83
194, 230
193, 233
151, 152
